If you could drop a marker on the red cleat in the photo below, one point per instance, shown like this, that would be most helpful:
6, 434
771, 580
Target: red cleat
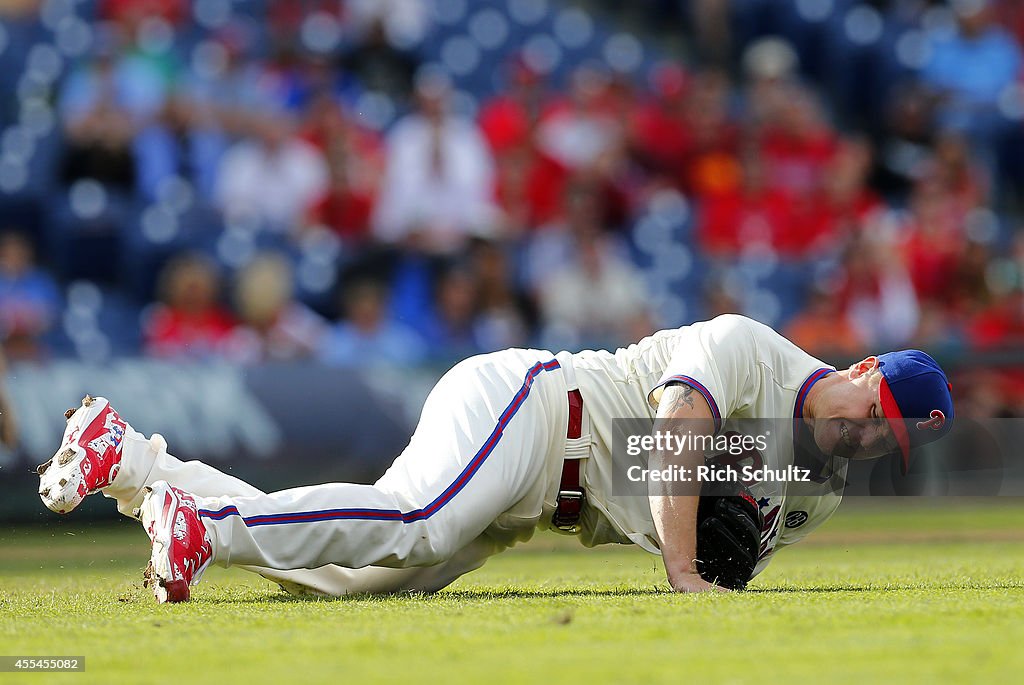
89, 456
181, 547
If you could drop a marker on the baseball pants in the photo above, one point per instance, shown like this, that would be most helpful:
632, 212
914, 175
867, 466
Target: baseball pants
479, 474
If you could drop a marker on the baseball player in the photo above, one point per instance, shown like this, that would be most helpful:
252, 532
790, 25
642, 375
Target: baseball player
519, 439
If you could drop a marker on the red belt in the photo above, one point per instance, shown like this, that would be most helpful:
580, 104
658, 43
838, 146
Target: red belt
571, 495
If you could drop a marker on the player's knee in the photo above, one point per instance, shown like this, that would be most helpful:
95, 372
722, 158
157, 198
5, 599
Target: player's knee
433, 546
429, 553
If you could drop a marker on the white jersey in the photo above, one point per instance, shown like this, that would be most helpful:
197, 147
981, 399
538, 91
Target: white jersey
743, 369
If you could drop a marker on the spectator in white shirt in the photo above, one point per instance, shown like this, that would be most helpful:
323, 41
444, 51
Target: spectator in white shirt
271, 177
439, 178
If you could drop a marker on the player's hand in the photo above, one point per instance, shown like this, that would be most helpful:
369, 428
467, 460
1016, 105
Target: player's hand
692, 582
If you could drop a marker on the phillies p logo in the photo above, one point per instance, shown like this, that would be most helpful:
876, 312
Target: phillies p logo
937, 420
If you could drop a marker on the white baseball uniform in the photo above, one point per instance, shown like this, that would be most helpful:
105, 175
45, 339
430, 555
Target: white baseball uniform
482, 469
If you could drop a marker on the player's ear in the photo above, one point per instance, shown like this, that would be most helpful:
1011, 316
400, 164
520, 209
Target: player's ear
864, 366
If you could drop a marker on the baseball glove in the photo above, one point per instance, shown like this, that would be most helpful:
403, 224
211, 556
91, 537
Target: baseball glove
728, 534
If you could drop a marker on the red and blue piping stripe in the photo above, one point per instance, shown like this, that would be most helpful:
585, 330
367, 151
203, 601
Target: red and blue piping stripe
805, 388
699, 387
394, 514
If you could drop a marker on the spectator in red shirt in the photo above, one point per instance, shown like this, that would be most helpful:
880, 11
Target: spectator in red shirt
659, 136
751, 213
1001, 322
935, 239
527, 183
508, 119
346, 207
529, 189
827, 218
798, 147
712, 165
951, 186
1001, 325
189, 323
583, 135
131, 12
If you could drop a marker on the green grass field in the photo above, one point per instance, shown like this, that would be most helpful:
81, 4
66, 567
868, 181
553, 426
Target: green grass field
907, 593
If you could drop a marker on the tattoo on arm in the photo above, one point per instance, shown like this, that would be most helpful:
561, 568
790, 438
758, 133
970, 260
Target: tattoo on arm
676, 395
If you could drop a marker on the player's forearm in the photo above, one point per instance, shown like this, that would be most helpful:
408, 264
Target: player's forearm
674, 509
685, 413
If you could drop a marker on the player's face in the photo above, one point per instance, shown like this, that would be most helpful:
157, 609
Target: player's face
855, 427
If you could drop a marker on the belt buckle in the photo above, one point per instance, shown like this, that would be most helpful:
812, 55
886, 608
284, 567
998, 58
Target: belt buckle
569, 522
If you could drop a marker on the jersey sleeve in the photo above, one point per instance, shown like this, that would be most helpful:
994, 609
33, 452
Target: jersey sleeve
717, 358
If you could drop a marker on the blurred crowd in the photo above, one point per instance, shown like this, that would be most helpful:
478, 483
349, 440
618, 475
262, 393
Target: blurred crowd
310, 185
